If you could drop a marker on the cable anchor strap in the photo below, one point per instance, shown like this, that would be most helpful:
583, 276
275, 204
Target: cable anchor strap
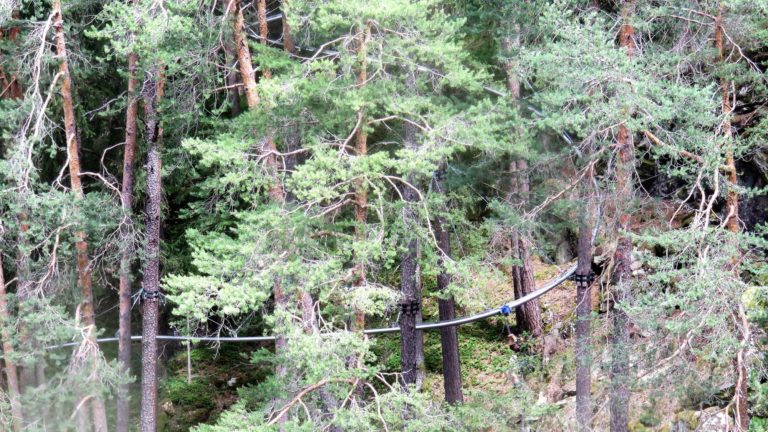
410, 308
583, 278
152, 295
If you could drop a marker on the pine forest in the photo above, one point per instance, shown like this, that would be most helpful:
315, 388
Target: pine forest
390, 215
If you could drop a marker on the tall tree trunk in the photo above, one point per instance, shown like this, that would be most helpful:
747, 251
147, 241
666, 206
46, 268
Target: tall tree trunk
152, 94
11, 374
81, 245
233, 89
621, 344
449, 338
127, 252
24, 293
292, 145
361, 148
411, 340
244, 55
732, 225
10, 87
528, 316
583, 349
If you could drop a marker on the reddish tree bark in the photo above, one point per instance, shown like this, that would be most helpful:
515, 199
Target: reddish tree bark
152, 94
81, 244
244, 55
11, 374
361, 148
741, 400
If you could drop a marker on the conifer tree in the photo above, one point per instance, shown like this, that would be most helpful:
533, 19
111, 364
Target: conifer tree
85, 311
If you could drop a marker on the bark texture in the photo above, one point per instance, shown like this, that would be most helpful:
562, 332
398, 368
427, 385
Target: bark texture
152, 93
361, 148
621, 344
84, 280
583, 349
528, 316
449, 338
244, 55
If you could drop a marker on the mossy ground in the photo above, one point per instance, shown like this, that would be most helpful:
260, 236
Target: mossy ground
216, 377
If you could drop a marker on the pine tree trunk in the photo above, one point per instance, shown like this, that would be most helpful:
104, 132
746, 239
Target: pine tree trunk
152, 94
244, 55
81, 245
528, 316
583, 348
622, 275
24, 294
10, 87
292, 145
233, 89
449, 338
11, 374
733, 226
361, 147
411, 340
127, 252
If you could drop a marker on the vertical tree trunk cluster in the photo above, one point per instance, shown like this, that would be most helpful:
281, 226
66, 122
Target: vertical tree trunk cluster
449, 337
152, 93
84, 281
619, 397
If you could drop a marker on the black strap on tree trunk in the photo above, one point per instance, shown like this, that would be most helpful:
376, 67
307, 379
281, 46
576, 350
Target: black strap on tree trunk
583, 279
410, 308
